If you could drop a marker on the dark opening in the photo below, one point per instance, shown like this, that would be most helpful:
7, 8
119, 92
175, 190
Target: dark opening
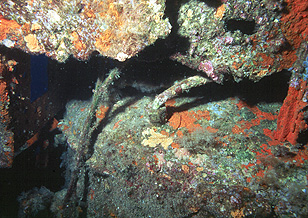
245, 26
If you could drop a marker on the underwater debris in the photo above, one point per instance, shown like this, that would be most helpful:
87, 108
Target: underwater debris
178, 88
237, 38
33, 202
220, 162
209, 171
115, 28
100, 96
220, 39
6, 135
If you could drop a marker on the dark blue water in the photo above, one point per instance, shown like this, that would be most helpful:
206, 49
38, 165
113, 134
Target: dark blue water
39, 76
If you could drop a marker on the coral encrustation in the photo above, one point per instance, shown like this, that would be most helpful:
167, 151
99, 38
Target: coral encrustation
59, 28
